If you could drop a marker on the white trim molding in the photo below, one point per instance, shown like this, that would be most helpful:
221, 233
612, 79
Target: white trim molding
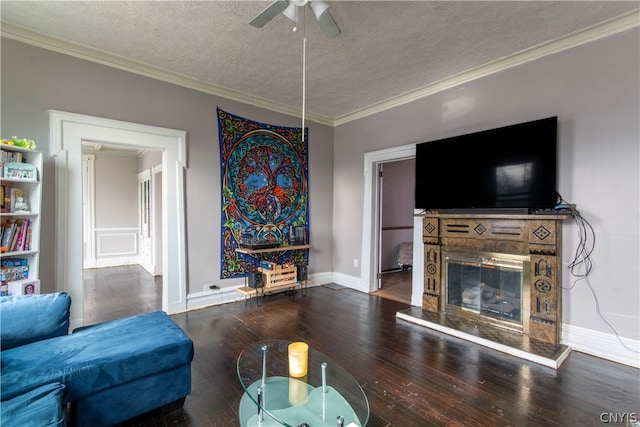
116, 242
211, 297
370, 214
89, 210
601, 344
614, 26
67, 131
352, 282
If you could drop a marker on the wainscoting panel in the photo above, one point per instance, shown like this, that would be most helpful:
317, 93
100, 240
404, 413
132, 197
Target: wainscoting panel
116, 246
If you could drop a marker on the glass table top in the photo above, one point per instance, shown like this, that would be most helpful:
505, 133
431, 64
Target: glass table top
326, 396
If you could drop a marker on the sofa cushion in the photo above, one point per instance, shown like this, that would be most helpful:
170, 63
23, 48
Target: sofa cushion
97, 357
28, 318
41, 407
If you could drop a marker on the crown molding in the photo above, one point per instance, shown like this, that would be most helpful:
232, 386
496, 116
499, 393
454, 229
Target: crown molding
614, 26
100, 57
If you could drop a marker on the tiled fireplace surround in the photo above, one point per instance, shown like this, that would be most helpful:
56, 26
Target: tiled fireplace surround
533, 237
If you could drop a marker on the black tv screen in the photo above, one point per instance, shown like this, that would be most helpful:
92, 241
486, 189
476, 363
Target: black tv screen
512, 167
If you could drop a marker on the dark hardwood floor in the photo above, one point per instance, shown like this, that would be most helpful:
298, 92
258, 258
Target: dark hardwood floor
396, 285
115, 292
411, 375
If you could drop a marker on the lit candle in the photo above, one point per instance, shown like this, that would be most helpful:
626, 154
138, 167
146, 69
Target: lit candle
298, 359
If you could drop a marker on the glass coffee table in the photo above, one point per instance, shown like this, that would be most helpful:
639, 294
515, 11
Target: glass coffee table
326, 396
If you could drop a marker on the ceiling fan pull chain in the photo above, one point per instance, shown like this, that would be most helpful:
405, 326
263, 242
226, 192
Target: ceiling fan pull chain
304, 81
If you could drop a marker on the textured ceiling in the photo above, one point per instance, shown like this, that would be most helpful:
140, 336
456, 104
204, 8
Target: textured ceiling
387, 50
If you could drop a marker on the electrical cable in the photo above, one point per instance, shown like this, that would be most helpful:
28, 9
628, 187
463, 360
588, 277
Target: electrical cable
581, 266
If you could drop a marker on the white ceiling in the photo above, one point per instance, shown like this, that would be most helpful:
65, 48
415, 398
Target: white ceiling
389, 52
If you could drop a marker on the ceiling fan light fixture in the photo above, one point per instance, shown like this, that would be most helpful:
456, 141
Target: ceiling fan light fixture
291, 12
291, 9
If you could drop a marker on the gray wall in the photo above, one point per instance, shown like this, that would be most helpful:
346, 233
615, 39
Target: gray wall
594, 91
35, 80
149, 160
116, 197
397, 209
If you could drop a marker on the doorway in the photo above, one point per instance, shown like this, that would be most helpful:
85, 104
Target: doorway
120, 211
68, 131
395, 242
371, 223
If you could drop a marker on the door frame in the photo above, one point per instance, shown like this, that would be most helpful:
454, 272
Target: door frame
88, 212
156, 219
379, 235
371, 228
67, 131
145, 221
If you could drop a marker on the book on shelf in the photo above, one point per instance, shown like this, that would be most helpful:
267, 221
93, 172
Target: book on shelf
13, 193
21, 238
11, 157
15, 279
14, 239
14, 273
16, 235
14, 262
8, 230
6, 198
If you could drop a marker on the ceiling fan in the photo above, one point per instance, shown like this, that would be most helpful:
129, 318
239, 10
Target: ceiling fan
291, 9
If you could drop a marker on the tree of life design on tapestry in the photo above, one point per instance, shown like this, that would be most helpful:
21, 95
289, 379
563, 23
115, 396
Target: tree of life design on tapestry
264, 193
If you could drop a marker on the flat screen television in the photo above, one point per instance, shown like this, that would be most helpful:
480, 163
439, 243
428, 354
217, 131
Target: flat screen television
508, 168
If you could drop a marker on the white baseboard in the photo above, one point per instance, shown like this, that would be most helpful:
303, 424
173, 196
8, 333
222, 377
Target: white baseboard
204, 299
603, 345
116, 262
350, 282
318, 279
225, 295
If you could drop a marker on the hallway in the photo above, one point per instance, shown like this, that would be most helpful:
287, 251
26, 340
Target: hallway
115, 292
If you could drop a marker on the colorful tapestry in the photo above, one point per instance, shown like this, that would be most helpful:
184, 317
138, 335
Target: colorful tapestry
264, 172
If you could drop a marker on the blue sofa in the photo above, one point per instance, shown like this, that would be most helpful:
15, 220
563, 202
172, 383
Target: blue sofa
105, 373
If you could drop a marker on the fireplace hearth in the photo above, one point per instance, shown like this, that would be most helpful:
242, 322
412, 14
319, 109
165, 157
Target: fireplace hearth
494, 279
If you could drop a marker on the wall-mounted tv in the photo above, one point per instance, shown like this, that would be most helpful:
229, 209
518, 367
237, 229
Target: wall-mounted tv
507, 168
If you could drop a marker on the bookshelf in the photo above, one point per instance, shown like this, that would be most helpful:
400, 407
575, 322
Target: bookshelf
20, 176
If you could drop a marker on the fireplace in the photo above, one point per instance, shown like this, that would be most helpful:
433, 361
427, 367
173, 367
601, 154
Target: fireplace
507, 268
489, 287
494, 279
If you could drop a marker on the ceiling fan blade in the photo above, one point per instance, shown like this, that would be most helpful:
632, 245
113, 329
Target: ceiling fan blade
318, 7
328, 25
269, 13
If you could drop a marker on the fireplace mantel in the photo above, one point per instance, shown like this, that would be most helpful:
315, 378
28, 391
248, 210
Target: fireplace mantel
536, 236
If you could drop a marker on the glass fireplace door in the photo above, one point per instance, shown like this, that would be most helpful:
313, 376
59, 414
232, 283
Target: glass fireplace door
494, 287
